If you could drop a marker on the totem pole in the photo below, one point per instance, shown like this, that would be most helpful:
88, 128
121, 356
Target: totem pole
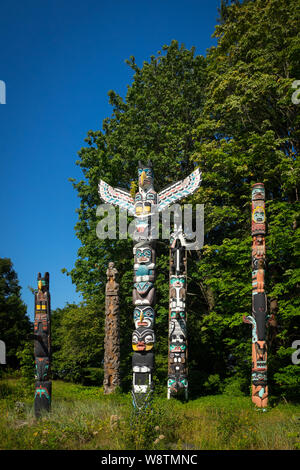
112, 332
259, 317
147, 202
177, 358
42, 346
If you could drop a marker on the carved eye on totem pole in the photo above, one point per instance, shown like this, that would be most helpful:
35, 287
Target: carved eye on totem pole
143, 339
177, 281
177, 315
178, 347
172, 383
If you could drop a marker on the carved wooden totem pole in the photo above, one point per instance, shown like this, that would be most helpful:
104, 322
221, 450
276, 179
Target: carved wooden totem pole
259, 317
42, 346
177, 357
112, 332
146, 204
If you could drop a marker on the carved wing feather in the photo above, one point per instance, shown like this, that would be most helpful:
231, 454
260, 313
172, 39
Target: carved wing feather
177, 191
116, 197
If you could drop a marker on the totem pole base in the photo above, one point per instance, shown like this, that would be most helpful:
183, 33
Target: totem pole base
141, 401
42, 399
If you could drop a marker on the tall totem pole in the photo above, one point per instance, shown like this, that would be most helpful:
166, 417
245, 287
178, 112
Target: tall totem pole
147, 202
259, 317
112, 332
177, 357
42, 346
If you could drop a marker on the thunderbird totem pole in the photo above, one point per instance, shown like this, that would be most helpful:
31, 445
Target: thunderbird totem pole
259, 317
112, 332
42, 346
177, 358
147, 202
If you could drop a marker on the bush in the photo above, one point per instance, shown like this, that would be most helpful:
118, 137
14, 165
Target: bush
234, 386
26, 358
92, 376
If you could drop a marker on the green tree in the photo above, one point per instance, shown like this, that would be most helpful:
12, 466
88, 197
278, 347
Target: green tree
77, 340
15, 326
248, 133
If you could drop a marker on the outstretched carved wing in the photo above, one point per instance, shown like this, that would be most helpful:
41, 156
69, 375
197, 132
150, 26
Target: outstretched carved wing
179, 190
116, 197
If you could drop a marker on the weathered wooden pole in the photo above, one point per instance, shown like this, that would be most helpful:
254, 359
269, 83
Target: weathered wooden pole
112, 332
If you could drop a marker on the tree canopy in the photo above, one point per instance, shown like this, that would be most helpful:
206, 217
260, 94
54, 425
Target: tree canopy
15, 326
231, 114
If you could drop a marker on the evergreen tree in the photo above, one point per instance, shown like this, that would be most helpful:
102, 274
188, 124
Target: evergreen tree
15, 326
248, 133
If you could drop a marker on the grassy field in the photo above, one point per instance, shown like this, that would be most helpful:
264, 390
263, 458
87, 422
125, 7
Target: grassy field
84, 418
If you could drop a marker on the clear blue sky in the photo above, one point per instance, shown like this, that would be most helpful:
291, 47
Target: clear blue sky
59, 58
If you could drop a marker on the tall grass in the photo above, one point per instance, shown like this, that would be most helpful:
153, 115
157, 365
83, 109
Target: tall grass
85, 418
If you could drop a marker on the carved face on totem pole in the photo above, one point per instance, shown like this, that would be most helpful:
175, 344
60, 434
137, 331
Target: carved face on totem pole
143, 339
180, 315
177, 384
177, 282
42, 365
258, 191
143, 317
144, 254
145, 203
259, 215
43, 283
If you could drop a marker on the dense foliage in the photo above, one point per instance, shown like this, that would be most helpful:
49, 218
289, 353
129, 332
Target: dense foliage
232, 115
15, 326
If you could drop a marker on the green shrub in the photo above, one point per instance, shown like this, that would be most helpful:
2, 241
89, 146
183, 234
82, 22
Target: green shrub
26, 358
92, 376
234, 386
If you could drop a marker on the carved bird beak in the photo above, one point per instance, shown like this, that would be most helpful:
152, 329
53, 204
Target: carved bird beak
141, 322
143, 176
40, 285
